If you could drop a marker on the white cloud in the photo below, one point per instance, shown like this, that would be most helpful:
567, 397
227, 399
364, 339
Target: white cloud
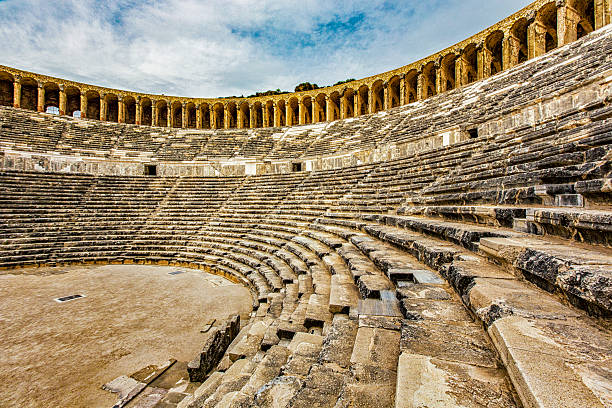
231, 47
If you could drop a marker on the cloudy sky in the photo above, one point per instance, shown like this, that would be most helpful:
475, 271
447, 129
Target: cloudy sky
214, 48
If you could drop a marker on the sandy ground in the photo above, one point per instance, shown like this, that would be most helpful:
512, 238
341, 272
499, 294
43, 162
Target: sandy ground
59, 354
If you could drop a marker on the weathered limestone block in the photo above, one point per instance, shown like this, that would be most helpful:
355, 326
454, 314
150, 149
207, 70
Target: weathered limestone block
213, 350
343, 294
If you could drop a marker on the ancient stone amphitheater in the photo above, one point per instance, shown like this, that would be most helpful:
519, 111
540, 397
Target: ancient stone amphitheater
434, 236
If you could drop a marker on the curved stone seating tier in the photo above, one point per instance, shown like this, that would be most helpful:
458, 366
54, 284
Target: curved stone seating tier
355, 303
558, 92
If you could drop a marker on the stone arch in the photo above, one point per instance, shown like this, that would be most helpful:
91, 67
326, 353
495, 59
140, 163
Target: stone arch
232, 115
494, 53
7, 89
269, 109
411, 81
585, 18
306, 110
93, 105
52, 96
393, 91
218, 111
146, 109
544, 30
469, 64
244, 118
428, 78
517, 41
161, 113
129, 106
448, 72
363, 100
29, 94
206, 116
257, 114
334, 106
348, 97
176, 114
73, 101
377, 91
190, 115
285, 112
319, 108
112, 108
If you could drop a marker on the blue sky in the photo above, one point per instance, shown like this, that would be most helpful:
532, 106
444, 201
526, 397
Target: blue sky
232, 47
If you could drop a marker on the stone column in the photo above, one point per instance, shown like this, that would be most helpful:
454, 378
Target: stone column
169, 111
567, 22
460, 71
265, 119
17, 92
253, 117
288, 118
184, 116
370, 100
83, 106
482, 62
138, 118
342, 107
121, 109
331, 108
536, 39
301, 113
439, 85
213, 119
602, 13
275, 118
402, 89
356, 103
226, 117
154, 113
199, 117
386, 96
41, 98
62, 100
103, 107
421, 87
512, 48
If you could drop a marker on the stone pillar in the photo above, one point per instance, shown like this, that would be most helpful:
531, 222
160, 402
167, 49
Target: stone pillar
512, 48
386, 96
567, 23
439, 85
460, 71
198, 117
265, 119
536, 39
275, 118
252, 117
402, 89
83, 106
154, 113
184, 116
421, 87
483, 59
121, 109
288, 118
226, 117
602, 13
103, 107
138, 118
342, 107
301, 113
356, 103
213, 119
370, 100
41, 98
169, 112
17, 92
62, 100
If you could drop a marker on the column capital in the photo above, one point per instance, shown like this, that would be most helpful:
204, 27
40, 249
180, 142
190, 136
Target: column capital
17, 79
40, 84
61, 87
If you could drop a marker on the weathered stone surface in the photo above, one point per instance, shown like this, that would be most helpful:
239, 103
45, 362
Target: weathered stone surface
213, 349
343, 294
429, 382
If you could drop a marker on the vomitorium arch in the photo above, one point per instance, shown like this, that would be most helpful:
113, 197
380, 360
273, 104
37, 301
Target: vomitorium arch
434, 236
